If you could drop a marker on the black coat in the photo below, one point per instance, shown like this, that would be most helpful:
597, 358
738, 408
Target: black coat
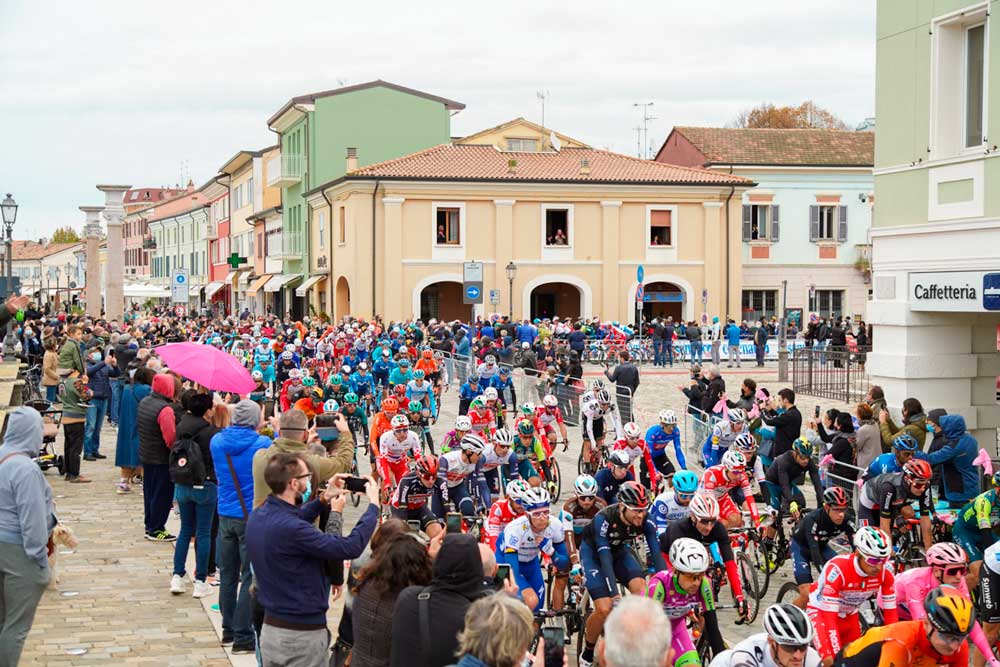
201, 432
716, 387
787, 426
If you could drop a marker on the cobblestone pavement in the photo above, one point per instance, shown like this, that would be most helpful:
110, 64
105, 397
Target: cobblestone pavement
114, 599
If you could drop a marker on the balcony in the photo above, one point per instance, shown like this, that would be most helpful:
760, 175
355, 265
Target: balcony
149, 243
285, 170
285, 246
863, 260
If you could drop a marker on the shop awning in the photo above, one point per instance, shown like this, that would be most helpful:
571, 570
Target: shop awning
304, 287
212, 288
146, 292
258, 283
247, 276
229, 277
281, 281
195, 290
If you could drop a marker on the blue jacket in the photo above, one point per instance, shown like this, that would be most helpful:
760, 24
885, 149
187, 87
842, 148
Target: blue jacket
463, 348
959, 475
98, 375
883, 464
733, 335
240, 443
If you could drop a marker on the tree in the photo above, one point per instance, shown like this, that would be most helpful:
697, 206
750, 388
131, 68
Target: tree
65, 235
806, 115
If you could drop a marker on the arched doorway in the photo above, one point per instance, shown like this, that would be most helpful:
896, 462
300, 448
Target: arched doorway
556, 299
342, 299
443, 301
663, 299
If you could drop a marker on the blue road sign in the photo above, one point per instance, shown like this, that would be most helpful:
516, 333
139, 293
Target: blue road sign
180, 278
639, 292
640, 273
472, 292
991, 291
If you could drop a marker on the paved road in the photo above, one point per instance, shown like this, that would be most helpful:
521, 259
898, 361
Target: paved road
121, 611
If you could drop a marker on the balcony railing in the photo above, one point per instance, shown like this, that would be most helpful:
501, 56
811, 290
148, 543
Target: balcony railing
149, 243
289, 245
285, 170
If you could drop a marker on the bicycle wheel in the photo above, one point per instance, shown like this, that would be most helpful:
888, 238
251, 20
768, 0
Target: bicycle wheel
762, 563
581, 467
705, 652
585, 611
554, 484
355, 497
788, 592
751, 588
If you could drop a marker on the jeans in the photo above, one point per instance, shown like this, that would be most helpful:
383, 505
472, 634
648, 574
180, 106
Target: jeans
95, 419
51, 393
197, 507
696, 352
821, 345
234, 571
658, 346
116, 401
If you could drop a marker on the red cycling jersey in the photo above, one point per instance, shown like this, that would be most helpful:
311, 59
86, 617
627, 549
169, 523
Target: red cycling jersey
483, 421
635, 450
500, 515
715, 482
547, 419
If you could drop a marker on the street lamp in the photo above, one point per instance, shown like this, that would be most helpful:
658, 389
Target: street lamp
511, 269
8, 209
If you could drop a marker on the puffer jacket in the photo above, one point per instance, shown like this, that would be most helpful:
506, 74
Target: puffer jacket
239, 444
99, 375
915, 426
959, 476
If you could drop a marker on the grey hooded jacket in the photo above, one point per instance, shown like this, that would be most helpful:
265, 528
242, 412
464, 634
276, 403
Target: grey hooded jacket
27, 514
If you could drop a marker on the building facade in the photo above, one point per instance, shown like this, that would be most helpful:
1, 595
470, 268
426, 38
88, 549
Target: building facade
49, 272
936, 228
245, 173
178, 231
137, 202
805, 227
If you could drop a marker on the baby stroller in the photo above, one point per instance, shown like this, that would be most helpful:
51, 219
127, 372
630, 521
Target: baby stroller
47, 458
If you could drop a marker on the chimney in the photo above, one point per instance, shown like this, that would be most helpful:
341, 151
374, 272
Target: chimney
584, 167
190, 186
352, 159
512, 166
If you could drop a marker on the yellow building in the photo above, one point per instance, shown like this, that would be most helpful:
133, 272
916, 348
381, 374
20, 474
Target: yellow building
575, 221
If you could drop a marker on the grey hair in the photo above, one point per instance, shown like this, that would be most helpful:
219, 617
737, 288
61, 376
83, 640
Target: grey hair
481, 639
636, 634
712, 369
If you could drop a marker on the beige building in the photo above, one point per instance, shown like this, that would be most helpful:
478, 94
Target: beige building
576, 222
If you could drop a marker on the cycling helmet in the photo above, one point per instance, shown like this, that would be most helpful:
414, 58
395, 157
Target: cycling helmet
685, 481
295, 374
491, 394
362, 366
345, 370
632, 430
668, 417
516, 488
745, 443
426, 466
477, 403
331, 406
802, 446
787, 624
257, 375
945, 554
427, 353
414, 406
504, 370
473, 378
737, 415
462, 423
996, 479
525, 427
734, 461
704, 506
399, 422
336, 378
905, 442
872, 542
619, 458
308, 382
917, 469
351, 398
550, 401
400, 390
688, 556
633, 496
490, 359
836, 496
473, 444
390, 405
527, 409
949, 612
603, 396
597, 384
386, 353
402, 350
535, 498
503, 437
585, 486
286, 355
418, 374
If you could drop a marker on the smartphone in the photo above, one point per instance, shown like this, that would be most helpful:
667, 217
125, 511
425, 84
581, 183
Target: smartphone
501, 577
355, 484
415, 526
453, 522
555, 639
816, 414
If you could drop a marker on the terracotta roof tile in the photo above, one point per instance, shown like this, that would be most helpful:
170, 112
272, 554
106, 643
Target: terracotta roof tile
834, 148
486, 163
22, 250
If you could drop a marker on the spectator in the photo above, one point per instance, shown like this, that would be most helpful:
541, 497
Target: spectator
27, 516
70, 358
285, 547
841, 447
156, 423
693, 333
938, 441
695, 392
748, 395
125, 352
959, 476
656, 332
714, 390
100, 372
481, 645
732, 333
760, 342
715, 336
456, 583
869, 440
74, 421
196, 503
914, 423
233, 449
50, 370
787, 422
526, 359
636, 634
876, 399
626, 379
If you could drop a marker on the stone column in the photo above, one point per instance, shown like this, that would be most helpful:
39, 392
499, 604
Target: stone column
392, 290
92, 235
114, 287
611, 292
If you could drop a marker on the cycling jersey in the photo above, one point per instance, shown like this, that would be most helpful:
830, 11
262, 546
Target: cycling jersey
548, 420
715, 482
974, 526
520, 547
754, 651
362, 384
487, 371
483, 422
469, 391
411, 493
423, 392
491, 461
399, 376
897, 645
594, 417
882, 464
356, 420
381, 424
719, 441
666, 509
574, 518
718, 537
637, 450
454, 470
501, 513
394, 450
607, 534
787, 473
888, 493
677, 604
816, 530
657, 439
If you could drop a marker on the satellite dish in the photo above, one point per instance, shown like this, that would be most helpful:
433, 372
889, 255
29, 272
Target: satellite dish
72, 284
554, 141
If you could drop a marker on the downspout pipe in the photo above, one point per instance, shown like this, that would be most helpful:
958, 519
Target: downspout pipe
374, 250
732, 189
329, 266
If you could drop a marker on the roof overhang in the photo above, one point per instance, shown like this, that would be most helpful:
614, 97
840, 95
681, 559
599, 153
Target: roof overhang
260, 216
216, 187
238, 161
289, 115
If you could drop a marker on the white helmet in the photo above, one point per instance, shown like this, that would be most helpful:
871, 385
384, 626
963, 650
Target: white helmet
536, 497
745, 443
473, 444
688, 556
737, 415
462, 423
872, 542
550, 401
257, 375
399, 421
734, 461
787, 624
668, 417
586, 486
632, 430
516, 488
704, 506
295, 373
503, 437
620, 458
490, 394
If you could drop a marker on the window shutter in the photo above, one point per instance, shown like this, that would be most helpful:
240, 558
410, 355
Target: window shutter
746, 222
775, 223
842, 226
813, 223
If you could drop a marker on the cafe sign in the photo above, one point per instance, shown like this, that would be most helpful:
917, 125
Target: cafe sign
955, 291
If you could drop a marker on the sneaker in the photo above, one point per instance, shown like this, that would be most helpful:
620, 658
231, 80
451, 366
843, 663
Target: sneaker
160, 536
177, 584
98, 455
227, 638
88, 457
79, 479
583, 662
244, 648
201, 589
123, 488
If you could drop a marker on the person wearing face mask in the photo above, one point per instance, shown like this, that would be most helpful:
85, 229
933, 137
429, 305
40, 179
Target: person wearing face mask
100, 371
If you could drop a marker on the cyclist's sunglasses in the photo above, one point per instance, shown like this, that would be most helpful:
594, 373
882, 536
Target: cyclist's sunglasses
503, 445
794, 648
874, 561
950, 638
538, 514
706, 522
683, 496
955, 570
634, 509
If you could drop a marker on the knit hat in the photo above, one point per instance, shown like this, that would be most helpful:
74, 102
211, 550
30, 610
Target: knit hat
936, 414
246, 413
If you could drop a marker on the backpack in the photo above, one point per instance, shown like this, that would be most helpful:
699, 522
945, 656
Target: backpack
187, 466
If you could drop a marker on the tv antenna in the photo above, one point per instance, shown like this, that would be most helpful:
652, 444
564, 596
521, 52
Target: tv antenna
647, 108
543, 96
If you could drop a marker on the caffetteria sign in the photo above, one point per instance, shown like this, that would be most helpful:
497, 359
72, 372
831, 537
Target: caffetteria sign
955, 291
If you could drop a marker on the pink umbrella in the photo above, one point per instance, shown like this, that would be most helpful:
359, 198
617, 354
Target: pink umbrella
207, 366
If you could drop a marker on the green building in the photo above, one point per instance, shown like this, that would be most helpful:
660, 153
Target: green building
936, 225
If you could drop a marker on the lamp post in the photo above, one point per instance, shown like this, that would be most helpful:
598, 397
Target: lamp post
55, 303
8, 209
511, 269
782, 333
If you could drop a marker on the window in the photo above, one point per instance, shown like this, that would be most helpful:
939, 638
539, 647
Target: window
557, 227
959, 85
828, 223
522, 145
322, 229
757, 221
342, 225
975, 41
448, 226
826, 216
249, 191
827, 303
659, 228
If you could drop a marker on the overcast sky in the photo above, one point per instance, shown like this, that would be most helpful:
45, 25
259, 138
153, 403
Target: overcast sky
127, 92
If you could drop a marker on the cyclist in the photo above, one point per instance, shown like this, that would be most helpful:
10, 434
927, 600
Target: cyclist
637, 451
481, 417
673, 504
415, 488
785, 642
607, 558
260, 389
468, 391
846, 583
719, 480
419, 419
356, 418
658, 436
746, 444
362, 383
610, 478
491, 399
428, 365
456, 470
488, 369
596, 410
500, 454
810, 544
576, 514
504, 510
290, 388
382, 422
702, 525
975, 524
311, 402
682, 589
722, 436
939, 639
888, 496
904, 446
453, 438
402, 373
529, 450
550, 418
988, 599
782, 482
336, 388
395, 448
419, 389
503, 383
382, 367
525, 539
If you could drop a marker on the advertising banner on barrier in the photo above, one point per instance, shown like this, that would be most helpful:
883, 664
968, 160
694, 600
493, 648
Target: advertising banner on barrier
747, 351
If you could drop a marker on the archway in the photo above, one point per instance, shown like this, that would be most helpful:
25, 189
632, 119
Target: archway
342, 299
558, 299
663, 299
687, 291
443, 301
